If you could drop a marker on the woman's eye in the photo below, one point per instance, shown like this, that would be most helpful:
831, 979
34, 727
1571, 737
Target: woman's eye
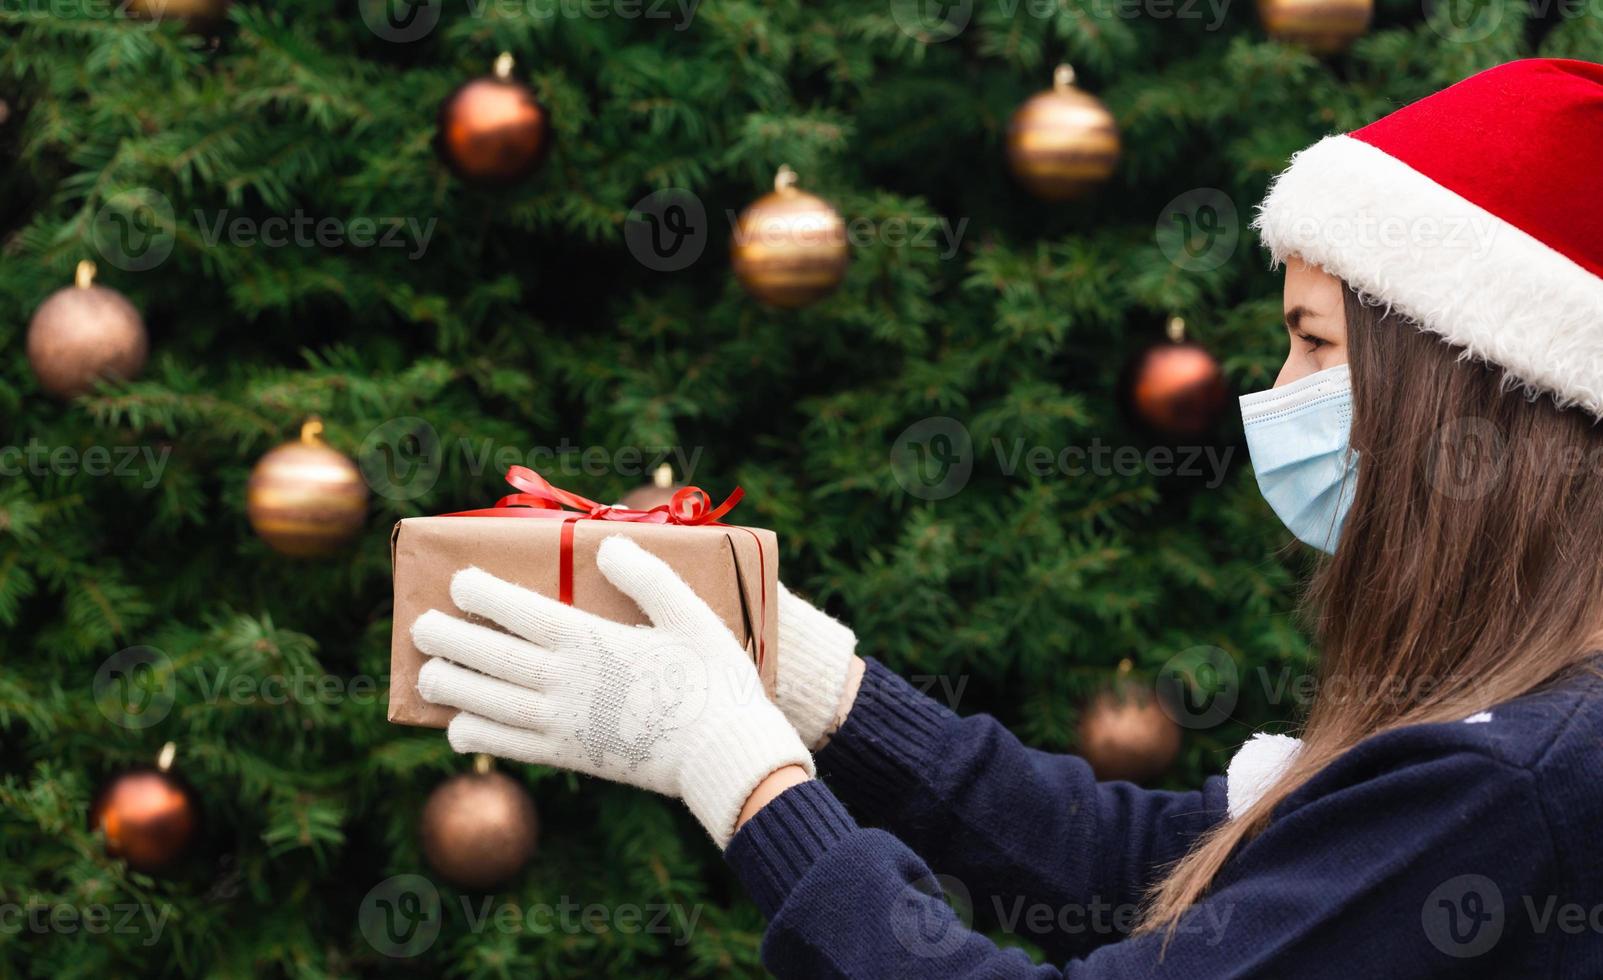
1314, 343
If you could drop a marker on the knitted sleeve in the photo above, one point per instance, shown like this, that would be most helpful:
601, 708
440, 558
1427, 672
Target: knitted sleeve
1020, 827
1422, 868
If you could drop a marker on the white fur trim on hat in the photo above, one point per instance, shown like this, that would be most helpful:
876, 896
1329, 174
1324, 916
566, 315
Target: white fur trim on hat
1479, 282
1255, 767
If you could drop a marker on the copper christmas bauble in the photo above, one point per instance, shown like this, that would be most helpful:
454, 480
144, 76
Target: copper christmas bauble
198, 14
1321, 26
1126, 734
1177, 387
479, 829
148, 817
789, 248
1063, 142
85, 333
658, 493
493, 130
304, 498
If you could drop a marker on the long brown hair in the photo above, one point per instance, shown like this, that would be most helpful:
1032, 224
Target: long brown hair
1468, 571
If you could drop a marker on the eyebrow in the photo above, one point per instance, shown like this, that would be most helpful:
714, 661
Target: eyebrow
1294, 316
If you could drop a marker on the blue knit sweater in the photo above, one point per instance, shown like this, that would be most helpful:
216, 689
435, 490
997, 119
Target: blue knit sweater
1463, 849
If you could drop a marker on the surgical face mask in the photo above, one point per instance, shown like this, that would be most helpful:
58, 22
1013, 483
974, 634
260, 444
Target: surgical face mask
1298, 437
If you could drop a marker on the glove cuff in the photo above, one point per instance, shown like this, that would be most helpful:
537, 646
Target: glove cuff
740, 751
815, 656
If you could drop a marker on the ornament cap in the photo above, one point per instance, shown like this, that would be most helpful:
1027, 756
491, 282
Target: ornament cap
785, 180
84, 277
483, 763
164, 760
1126, 666
1176, 329
1063, 77
312, 431
503, 65
662, 476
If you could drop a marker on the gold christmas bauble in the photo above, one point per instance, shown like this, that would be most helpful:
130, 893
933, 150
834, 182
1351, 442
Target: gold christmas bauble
479, 829
148, 816
1321, 26
85, 333
1063, 142
789, 247
1126, 734
304, 498
493, 130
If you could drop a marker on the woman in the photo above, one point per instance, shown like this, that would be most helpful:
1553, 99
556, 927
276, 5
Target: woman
1434, 426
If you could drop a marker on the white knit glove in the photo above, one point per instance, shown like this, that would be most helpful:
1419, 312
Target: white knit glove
675, 707
815, 659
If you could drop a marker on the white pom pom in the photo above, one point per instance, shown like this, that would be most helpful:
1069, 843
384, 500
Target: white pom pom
1256, 767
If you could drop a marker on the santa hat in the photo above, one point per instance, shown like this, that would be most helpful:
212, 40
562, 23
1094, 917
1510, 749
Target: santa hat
1477, 212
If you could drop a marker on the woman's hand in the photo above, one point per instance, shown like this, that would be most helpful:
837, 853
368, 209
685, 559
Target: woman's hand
675, 707
818, 670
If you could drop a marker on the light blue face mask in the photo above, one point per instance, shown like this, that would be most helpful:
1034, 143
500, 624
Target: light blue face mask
1298, 437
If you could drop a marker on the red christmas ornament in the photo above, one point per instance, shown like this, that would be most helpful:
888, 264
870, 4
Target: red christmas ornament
1177, 387
148, 816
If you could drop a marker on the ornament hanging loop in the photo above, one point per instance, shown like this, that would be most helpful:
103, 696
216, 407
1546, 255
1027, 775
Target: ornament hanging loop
1063, 78
482, 763
1176, 330
164, 760
312, 431
503, 65
785, 179
84, 277
662, 476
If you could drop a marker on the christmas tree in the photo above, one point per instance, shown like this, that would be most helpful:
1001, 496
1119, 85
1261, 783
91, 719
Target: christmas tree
945, 444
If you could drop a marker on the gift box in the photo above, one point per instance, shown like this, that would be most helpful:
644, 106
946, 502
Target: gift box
545, 539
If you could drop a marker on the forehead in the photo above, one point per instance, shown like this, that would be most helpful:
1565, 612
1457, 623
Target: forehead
1311, 287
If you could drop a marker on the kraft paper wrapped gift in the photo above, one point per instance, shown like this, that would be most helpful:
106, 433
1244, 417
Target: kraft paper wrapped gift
734, 569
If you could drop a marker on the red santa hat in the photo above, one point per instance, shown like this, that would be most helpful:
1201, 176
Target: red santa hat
1477, 212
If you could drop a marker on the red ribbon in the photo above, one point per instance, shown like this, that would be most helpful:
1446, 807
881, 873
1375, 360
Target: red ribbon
690, 507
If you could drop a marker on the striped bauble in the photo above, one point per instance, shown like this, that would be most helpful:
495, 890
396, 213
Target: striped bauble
789, 247
304, 498
1321, 26
1063, 142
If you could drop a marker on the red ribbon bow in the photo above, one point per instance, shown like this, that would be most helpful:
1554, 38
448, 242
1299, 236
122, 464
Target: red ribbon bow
690, 507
